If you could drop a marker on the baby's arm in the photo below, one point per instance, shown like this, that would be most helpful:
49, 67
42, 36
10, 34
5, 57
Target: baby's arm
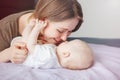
32, 35
16, 39
27, 31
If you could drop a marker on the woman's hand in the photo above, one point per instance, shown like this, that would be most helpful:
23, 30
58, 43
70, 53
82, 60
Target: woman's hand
18, 52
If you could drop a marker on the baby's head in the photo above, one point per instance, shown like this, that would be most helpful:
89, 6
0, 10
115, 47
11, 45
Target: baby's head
75, 55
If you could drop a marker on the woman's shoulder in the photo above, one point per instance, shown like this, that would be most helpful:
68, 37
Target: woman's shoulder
11, 21
14, 17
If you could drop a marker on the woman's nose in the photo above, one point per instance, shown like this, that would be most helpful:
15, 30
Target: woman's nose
64, 37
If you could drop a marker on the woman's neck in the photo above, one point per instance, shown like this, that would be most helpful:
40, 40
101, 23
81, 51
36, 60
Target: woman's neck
23, 21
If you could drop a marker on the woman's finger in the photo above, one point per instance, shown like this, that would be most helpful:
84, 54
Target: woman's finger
17, 61
21, 52
18, 57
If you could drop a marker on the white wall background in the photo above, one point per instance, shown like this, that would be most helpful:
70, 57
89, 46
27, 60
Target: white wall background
101, 19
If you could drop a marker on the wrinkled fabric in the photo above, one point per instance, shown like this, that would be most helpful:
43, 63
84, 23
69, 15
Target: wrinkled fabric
106, 67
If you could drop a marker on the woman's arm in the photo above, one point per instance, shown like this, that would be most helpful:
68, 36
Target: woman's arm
4, 55
16, 53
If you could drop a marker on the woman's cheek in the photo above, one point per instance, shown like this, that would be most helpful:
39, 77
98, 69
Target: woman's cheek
53, 34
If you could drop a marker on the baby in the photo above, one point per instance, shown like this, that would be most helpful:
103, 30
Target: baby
74, 54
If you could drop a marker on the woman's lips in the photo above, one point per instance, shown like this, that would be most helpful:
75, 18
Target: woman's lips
57, 42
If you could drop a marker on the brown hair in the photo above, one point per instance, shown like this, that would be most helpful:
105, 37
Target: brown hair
58, 10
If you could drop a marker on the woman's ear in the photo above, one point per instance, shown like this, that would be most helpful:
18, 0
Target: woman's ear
66, 54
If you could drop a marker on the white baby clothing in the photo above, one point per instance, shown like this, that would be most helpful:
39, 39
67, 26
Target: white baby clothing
44, 56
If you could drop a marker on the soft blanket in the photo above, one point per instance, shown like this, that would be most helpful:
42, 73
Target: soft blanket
106, 67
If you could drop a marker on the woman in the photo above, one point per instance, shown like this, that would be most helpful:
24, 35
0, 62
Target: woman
61, 16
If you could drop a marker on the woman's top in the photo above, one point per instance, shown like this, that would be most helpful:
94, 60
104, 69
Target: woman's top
9, 29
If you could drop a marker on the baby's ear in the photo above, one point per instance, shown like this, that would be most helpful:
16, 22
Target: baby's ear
66, 54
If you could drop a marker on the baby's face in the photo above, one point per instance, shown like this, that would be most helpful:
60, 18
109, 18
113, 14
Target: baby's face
68, 59
65, 46
71, 62
74, 55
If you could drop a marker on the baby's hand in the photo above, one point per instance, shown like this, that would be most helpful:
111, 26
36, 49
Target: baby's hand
18, 52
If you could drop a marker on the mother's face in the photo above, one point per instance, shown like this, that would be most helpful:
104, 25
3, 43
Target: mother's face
56, 32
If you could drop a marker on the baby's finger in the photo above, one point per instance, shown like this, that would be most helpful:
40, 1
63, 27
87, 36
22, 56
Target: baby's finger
20, 45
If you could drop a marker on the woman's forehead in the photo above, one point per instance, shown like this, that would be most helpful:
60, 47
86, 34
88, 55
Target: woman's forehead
69, 24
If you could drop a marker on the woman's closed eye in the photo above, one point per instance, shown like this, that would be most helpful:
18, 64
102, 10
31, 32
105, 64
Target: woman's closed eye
60, 31
64, 31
